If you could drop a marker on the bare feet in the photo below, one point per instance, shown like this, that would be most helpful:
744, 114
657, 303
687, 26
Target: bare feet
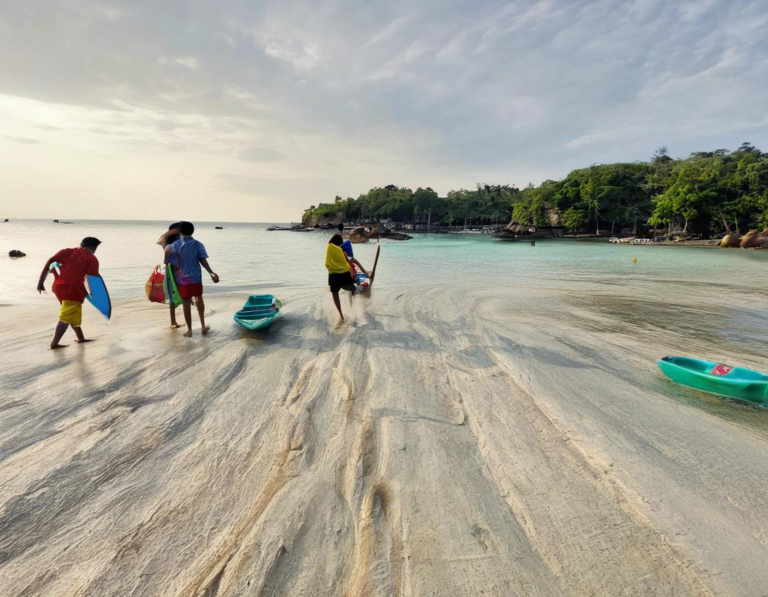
175, 326
188, 334
206, 329
57, 346
84, 340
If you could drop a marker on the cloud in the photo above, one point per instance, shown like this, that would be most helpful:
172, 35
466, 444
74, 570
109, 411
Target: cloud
603, 137
275, 188
261, 154
361, 94
23, 140
389, 31
189, 62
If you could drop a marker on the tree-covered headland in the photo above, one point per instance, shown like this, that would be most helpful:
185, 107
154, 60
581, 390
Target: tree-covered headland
709, 192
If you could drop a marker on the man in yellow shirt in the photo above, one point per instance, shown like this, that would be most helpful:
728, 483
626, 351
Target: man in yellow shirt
340, 275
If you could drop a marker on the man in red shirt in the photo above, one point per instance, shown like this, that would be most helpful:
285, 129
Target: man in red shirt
70, 268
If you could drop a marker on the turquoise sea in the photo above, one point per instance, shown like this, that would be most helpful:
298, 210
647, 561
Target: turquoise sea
250, 258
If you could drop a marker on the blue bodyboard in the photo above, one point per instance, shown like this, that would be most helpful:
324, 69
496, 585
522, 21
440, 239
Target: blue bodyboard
98, 296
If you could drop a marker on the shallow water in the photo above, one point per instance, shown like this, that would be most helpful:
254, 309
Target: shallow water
249, 258
489, 420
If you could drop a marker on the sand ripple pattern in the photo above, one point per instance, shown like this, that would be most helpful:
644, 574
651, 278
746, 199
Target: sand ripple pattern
442, 443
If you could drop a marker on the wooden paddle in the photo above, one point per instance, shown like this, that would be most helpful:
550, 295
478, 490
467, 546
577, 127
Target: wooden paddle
373, 271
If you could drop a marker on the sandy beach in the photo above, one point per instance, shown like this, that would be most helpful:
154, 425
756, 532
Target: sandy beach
490, 420
512, 441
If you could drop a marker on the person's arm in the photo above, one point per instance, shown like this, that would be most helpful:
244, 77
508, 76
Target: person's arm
352, 273
202, 257
44, 275
360, 265
169, 248
328, 256
93, 267
162, 241
214, 277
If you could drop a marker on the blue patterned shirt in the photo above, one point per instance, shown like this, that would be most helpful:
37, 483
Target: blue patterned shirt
188, 253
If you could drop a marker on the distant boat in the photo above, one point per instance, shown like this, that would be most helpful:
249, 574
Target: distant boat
219, 227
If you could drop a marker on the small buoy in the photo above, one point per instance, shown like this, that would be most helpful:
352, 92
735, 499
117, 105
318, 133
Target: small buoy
634, 261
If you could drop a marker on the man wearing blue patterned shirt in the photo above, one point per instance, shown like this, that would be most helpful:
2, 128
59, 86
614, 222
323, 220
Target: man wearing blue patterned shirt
190, 255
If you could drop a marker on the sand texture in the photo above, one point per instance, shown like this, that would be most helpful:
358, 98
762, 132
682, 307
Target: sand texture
442, 443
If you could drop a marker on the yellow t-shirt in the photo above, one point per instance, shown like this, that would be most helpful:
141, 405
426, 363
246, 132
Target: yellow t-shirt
335, 260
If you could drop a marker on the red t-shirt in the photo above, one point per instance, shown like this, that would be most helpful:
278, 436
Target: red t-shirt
75, 265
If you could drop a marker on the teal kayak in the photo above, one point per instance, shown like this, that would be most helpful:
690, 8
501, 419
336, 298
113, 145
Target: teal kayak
716, 378
262, 300
258, 312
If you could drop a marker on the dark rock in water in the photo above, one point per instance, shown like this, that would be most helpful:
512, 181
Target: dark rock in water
55, 221
16, 253
219, 227
362, 234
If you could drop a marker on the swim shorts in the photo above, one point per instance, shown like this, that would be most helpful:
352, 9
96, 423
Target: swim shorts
189, 291
71, 313
340, 281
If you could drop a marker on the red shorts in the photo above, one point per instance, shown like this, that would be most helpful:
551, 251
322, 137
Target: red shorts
188, 291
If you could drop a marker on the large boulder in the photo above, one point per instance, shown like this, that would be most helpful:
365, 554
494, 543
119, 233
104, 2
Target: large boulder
730, 241
752, 240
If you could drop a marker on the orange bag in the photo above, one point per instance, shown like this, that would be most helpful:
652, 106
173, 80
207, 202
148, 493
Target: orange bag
154, 287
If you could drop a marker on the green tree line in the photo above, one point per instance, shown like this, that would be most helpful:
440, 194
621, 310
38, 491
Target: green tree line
705, 193
487, 204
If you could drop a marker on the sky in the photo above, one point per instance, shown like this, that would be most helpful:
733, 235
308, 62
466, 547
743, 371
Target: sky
237, 110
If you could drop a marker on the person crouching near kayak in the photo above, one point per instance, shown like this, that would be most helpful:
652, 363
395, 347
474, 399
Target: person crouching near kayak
346, 246
71, 266
340, 275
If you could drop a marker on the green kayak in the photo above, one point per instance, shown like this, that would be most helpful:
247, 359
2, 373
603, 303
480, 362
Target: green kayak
258, 312
724, 380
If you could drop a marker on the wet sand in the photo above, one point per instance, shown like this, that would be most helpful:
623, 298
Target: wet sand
444, 442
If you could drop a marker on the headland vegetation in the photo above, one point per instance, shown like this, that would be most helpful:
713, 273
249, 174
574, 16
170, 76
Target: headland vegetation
708, 194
